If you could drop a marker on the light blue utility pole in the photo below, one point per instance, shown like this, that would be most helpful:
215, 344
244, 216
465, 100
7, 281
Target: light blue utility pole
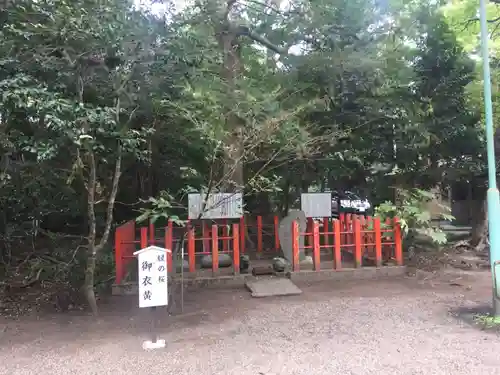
493, 195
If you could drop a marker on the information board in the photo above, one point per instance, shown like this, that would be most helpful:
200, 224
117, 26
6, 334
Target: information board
316, 204
218, 206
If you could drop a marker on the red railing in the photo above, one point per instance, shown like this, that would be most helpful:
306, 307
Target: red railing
363, 237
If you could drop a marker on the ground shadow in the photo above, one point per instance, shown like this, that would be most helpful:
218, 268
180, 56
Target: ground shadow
120, 316
476, 317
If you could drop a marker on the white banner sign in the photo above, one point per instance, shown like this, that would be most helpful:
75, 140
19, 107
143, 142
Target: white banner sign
218, 206
153, 276
316, 204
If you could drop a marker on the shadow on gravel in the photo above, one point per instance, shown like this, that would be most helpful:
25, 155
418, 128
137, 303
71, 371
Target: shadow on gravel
479, 317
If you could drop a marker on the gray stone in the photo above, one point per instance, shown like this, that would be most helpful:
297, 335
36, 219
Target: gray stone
225, 260
285, 233
280, 264
306, 260
271, 286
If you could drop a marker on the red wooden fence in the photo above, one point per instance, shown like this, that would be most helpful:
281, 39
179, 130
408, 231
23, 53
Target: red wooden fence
363, 237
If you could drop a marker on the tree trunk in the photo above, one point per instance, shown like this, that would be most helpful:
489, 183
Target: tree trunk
88, 287
94, 248
479, 239
231, 70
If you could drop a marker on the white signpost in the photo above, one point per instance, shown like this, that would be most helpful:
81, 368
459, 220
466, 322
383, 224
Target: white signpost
217, 206
316, 204
153, 285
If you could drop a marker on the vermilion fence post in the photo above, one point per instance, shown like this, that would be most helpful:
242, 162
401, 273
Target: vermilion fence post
152, 236
242, 234
357, 242
215, 249
398, 242
337, 255
309, 231
276, 233
326, 236
364, 239
236, 249
349, 229
350, 225
225, 234
191, 249
119, 272
295, 246
370, 238
316, 248
259, 233
144, 237
205, 234
342, 228
378, 241
169, 239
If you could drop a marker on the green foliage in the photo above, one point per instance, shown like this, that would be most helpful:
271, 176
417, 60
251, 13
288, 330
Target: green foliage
159, 208
414, 216
326, 94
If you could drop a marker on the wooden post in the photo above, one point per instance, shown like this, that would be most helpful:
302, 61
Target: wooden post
144, 237
225, 234
349, 229
191, 249
337, 254
276, 233
357, 243
370, 238
215, 250
169, 241
342, 228
242, 234
236, 249
308, 240
119, 272
295, 246
326, 227
378, 241
398, 242
362, 221
152, 237
259, 234
205, 234
316, 248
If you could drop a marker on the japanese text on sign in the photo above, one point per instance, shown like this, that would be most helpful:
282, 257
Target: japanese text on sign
217, 206
153, 286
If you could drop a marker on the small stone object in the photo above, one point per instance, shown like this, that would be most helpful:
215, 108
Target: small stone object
306, 260
225, 261
285, 233
150, 345
280, 264
244, 263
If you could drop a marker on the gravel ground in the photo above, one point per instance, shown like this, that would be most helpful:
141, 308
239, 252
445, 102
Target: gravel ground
398, 327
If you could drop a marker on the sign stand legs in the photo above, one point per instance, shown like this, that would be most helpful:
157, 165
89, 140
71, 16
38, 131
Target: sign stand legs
155, 342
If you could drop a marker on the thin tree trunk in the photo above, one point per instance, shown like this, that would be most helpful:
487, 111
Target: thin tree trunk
93, 247
231, 70
88, 285
479, 239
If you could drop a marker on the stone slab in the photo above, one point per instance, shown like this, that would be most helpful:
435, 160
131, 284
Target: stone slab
272, 286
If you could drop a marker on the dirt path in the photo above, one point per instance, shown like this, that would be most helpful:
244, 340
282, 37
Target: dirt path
357, 328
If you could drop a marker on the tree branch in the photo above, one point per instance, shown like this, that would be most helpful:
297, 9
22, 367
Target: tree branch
245, 30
